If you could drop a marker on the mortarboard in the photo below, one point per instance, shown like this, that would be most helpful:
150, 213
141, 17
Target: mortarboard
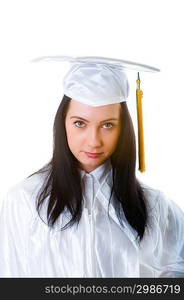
98, 81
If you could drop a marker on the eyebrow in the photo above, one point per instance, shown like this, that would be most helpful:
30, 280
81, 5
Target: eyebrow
110, 119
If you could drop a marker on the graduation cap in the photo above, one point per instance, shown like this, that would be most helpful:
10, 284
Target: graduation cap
98, 81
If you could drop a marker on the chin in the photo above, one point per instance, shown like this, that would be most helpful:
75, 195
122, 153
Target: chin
91, 165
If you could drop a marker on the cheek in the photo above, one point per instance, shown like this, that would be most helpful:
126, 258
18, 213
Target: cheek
113, 140
73, 137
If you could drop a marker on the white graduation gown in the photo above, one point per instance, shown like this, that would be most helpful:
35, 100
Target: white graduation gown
98, 246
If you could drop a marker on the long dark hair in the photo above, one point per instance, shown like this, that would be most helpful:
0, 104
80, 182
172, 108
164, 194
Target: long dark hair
62, 184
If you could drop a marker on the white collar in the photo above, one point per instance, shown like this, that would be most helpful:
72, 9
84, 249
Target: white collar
99, 173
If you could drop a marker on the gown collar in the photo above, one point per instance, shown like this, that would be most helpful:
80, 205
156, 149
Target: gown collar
103, 174
99, 173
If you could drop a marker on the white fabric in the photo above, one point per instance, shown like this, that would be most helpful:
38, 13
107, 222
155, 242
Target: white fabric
99, 246
95, 80
125, 64
96, 84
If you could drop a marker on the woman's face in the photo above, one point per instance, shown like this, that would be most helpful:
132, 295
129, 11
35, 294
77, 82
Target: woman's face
92, 133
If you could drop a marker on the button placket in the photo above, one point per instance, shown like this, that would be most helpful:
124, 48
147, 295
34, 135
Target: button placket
89, 201
89, 193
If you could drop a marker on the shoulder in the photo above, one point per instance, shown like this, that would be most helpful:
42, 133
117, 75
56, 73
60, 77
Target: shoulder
162, 207
154, 197
22, 196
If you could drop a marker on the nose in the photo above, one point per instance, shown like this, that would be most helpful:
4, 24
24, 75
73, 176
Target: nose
94, 139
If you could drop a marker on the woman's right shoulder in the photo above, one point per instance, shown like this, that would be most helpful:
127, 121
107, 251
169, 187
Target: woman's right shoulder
24, 193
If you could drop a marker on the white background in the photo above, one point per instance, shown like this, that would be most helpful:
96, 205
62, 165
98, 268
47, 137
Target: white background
149, 32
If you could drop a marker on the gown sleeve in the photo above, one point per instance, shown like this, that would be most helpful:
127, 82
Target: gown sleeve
15, 216
172, 260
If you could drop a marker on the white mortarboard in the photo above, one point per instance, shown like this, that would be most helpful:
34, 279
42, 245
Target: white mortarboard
98, 81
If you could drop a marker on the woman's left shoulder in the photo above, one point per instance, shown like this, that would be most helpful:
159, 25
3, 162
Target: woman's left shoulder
162, 203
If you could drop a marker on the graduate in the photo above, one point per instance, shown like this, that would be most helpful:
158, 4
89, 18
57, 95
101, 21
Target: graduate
85, 214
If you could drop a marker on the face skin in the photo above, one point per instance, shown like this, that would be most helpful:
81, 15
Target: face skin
93, 130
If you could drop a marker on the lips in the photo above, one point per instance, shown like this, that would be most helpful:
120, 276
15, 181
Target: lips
93, 155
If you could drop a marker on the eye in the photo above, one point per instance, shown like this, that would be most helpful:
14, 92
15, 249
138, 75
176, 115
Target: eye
108, 125
79, 124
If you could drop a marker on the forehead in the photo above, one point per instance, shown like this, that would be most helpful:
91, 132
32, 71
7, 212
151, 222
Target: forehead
83, 110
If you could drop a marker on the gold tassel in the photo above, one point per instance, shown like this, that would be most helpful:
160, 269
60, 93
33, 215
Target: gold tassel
139, 95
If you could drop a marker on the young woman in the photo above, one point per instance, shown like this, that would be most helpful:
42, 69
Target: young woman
85, 214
